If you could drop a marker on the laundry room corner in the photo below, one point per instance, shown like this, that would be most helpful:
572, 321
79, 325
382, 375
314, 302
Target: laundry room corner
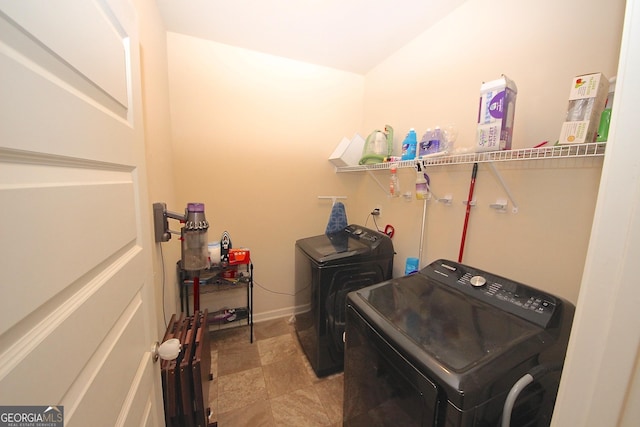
251, 134
321, 213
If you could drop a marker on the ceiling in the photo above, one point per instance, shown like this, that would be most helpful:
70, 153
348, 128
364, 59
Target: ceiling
349, 35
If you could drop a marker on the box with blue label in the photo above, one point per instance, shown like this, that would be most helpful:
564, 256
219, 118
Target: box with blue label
495, 115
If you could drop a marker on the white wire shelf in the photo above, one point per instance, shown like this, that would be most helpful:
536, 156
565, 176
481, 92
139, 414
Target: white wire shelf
594, 149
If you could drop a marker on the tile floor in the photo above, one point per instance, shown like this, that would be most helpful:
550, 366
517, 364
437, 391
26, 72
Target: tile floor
269, 382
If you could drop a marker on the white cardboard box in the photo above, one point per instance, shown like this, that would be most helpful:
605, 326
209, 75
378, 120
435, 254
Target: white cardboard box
587, 98
496, 114
348, 153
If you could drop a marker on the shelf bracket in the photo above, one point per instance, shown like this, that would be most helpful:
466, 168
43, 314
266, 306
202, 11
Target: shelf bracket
500, 205
447, 199
514, 209
384, 189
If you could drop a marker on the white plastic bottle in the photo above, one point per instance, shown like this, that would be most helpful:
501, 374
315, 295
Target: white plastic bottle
424, 147
422, 185
449, 136
394, 182
436, 140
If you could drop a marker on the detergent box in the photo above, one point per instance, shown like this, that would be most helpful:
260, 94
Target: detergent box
495, 115
587, 98
239, 256
348, 152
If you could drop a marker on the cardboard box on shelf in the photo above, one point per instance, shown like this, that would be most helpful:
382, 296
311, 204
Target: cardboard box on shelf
348, 152
587, 98
496, 114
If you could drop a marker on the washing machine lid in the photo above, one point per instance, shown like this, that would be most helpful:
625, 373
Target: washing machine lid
451, 330
353, 241
470, 331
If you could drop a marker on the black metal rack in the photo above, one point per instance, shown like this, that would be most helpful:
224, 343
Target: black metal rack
218, 279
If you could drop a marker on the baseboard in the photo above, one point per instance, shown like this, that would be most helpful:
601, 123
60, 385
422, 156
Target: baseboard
277, 314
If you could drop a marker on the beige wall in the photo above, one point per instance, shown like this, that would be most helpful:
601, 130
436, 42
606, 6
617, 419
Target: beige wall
252, 133
159, 150
549, 209
435, 80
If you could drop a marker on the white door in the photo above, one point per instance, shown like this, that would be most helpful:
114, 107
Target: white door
76, 305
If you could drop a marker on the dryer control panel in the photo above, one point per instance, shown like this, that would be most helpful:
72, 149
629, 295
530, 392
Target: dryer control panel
510, 296
363, 234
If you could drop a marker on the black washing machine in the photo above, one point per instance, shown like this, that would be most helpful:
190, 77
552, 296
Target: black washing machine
453, 346
327, 268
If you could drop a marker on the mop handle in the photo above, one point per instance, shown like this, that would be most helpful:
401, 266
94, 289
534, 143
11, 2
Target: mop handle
466, 217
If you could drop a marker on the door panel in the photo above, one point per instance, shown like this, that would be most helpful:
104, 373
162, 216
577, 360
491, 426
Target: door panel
59, 103
76, 314
90, 42
80, 214
71, 334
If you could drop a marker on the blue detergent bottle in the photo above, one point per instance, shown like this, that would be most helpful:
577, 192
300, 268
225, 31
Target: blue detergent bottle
409, 145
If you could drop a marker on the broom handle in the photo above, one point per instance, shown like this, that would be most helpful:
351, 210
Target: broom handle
466, 217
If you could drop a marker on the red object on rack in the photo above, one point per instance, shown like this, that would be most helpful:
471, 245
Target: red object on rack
239, 256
